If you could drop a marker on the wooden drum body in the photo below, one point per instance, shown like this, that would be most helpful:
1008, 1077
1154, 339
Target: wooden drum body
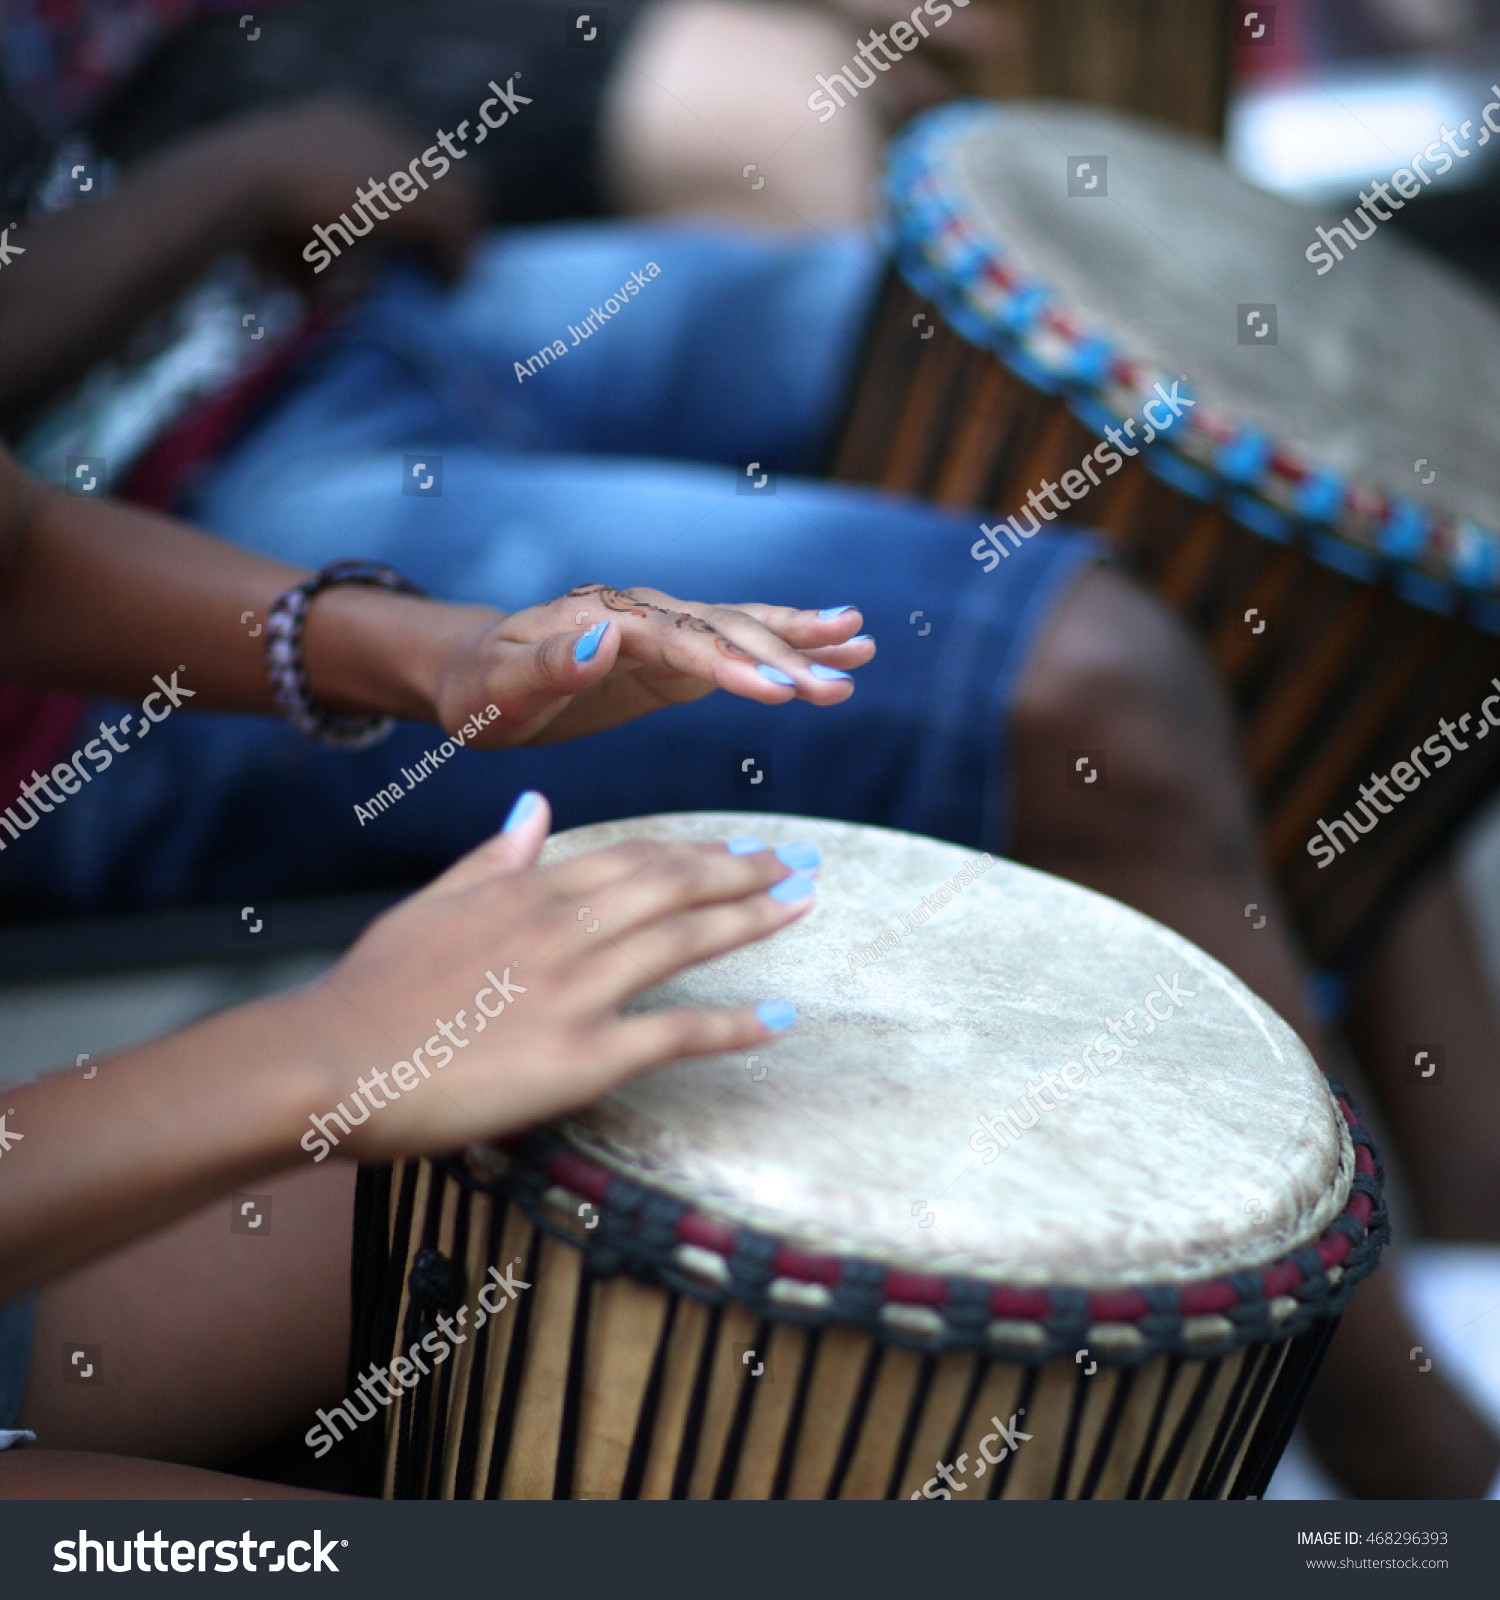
1350, 601
810, 1273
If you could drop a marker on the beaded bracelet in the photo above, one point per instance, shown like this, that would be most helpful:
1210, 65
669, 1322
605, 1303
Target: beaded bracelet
284, 656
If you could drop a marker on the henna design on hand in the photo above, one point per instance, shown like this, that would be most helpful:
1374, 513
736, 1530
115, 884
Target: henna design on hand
611, 599
624, 600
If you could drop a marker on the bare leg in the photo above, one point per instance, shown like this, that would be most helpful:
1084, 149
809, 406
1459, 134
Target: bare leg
1171, 831
705, 89
1426, 985
212, 1344
1171, 834
1371, 1406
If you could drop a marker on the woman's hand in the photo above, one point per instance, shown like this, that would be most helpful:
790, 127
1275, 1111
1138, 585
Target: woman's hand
486, 1003
601, 656
476, 1008
77, 578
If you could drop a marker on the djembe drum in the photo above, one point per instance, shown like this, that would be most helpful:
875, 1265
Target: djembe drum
1060, 271
1036, 1200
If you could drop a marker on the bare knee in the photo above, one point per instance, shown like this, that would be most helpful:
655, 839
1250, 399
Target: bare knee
706, 89
1118, 688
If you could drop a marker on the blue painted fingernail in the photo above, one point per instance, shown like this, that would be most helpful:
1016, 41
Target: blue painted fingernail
802, 854
799, 886
521, 810
818, 670
588, 645
777, 1015
745, 846
831, 612
775, 675
861, 638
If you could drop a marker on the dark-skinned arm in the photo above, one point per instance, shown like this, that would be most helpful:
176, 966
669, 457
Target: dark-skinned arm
83, 279
101, 597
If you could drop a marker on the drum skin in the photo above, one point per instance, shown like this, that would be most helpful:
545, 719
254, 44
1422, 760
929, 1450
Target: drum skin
1350, 603
804, 1271
867, 1108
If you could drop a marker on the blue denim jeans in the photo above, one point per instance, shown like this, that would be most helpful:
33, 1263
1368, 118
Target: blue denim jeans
620, 461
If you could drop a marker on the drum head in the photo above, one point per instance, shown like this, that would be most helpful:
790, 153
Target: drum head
1207, 1143
1383, 360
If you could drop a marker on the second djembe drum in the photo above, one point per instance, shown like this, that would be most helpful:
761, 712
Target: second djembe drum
1298, 452
1037, 1199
